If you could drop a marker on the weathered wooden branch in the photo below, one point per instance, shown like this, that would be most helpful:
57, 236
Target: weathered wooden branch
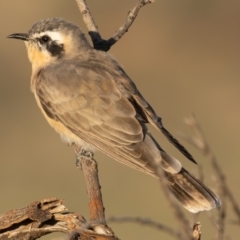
44, 217
98, 42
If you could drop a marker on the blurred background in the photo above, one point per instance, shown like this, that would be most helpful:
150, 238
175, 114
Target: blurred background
184, 57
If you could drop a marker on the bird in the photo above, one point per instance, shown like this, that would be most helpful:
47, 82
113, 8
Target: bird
88, 98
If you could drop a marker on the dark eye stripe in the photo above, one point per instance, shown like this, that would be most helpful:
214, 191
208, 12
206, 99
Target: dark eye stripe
55, 49
52, 47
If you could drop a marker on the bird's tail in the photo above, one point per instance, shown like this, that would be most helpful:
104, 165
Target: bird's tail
191, 193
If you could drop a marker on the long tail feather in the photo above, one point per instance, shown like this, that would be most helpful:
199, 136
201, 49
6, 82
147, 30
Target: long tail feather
191, 193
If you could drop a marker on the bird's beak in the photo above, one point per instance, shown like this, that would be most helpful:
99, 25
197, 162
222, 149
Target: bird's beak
21, 36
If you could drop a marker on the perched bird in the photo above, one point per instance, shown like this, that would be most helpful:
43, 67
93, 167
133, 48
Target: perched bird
87, 97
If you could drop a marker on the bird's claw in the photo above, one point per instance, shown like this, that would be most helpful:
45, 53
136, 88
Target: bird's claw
83, 154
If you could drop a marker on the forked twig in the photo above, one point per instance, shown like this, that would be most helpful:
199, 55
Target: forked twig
129, 21
97, 40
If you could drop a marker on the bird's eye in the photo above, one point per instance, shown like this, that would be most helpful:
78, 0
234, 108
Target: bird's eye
45, 38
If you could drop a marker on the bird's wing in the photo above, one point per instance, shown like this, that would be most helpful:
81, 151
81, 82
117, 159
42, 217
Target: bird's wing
143, 108
150, 116
86, 97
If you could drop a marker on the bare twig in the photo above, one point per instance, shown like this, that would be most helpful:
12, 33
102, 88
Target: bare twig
91, 26
129, 21
97, 40
90, 171
87, 16
96, 208
149, 223
199, 141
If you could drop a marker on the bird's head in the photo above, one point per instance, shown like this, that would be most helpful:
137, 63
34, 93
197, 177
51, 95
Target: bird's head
51, 39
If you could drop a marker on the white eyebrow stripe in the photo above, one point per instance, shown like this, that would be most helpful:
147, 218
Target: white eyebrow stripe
55, 36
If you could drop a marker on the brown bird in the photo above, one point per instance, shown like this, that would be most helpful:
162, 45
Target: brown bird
87, 97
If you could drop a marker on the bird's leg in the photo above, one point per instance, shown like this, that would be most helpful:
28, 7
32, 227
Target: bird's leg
82, 153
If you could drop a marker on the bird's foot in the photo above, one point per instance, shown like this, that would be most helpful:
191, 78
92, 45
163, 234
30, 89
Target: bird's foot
83, 154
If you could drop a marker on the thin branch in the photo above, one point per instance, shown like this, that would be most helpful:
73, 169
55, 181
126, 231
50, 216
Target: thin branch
200, 142
87, 16
149, 223
98, 42
129, 21
90, 171
90, 24
96, 208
